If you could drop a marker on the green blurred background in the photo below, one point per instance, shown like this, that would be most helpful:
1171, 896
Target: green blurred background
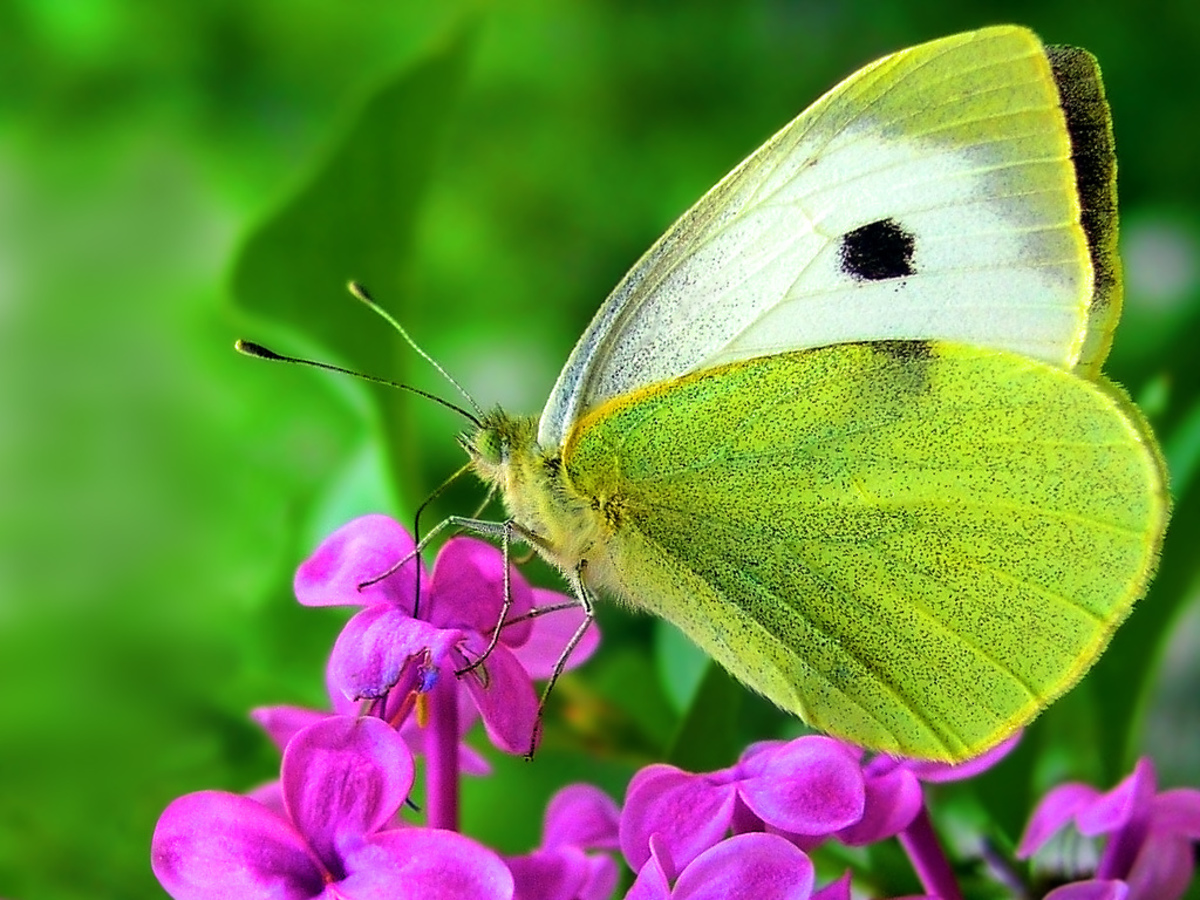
173, 176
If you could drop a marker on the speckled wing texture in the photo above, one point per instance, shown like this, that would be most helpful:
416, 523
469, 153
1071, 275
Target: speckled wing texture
915, 546
960, 190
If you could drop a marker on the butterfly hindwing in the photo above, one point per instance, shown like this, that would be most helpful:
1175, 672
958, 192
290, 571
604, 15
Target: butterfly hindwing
913, 545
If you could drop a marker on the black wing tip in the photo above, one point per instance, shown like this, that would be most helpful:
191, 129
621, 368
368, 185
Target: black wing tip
1093, 152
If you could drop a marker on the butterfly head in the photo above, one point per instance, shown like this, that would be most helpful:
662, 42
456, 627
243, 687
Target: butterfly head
496, 442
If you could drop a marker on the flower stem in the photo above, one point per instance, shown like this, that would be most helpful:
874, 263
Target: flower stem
928, 859
441, 757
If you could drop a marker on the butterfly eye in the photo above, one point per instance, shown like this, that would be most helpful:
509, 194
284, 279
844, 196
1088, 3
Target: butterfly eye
488, 447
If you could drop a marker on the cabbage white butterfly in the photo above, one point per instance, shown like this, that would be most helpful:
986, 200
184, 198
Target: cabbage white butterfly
843, 423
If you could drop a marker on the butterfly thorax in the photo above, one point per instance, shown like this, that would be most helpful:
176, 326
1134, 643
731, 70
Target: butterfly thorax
562, 524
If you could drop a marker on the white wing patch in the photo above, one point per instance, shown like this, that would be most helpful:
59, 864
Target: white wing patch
915, 200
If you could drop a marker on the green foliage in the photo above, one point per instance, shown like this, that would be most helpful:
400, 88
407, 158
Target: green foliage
489, 185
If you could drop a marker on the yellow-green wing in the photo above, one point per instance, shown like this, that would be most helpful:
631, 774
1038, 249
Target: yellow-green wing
915, 546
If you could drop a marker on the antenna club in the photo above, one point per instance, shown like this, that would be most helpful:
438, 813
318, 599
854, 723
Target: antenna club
360, 292
258, 351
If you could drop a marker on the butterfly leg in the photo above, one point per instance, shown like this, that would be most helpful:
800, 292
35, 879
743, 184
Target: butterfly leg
421, 545
585, 600
505, 531
502, 530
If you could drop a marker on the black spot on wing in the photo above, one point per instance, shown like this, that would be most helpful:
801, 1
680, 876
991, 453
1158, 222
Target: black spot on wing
877, 251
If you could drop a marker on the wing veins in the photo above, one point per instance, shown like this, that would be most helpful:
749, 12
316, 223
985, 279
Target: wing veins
887, 686
936, 623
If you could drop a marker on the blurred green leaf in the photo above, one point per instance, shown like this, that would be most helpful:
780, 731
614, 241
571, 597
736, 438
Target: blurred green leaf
1127, 670
355, 220
355, 217
681, 664
1182, 451
1121, 680
707, 738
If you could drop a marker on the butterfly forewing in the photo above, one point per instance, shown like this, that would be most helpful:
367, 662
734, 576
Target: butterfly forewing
930, 195
1090, 126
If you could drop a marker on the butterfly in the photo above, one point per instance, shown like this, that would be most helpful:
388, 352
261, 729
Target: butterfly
843, 424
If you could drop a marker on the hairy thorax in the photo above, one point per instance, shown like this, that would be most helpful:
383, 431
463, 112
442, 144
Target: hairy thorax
569, 528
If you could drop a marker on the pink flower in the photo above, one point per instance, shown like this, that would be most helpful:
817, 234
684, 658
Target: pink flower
743, 867
416, 630
1149, 851
579, 819
810, 786
342, 783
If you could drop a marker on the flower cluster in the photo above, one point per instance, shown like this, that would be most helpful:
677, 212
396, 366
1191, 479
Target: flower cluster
778, 801
429, 655
1150, 847
330, 826
334, 835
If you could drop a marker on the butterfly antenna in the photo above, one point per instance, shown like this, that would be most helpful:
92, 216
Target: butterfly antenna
258, 351
360, 293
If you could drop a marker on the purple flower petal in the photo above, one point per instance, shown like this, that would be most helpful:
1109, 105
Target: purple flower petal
467, 591
1163, 869
424, 864
282, 722
1177, 811
1126, 811
935, 772
343, 779
581, 815
217, 846
603, 875
743, 821
892, 802
507, 700
1129, 799
809, 786
653, 878
748, 867
550, 633
1090, 890
835, 890
357, 552
1055, 810
372, 652
760, 747
558, 874
342, 705
687, 813
269, 795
